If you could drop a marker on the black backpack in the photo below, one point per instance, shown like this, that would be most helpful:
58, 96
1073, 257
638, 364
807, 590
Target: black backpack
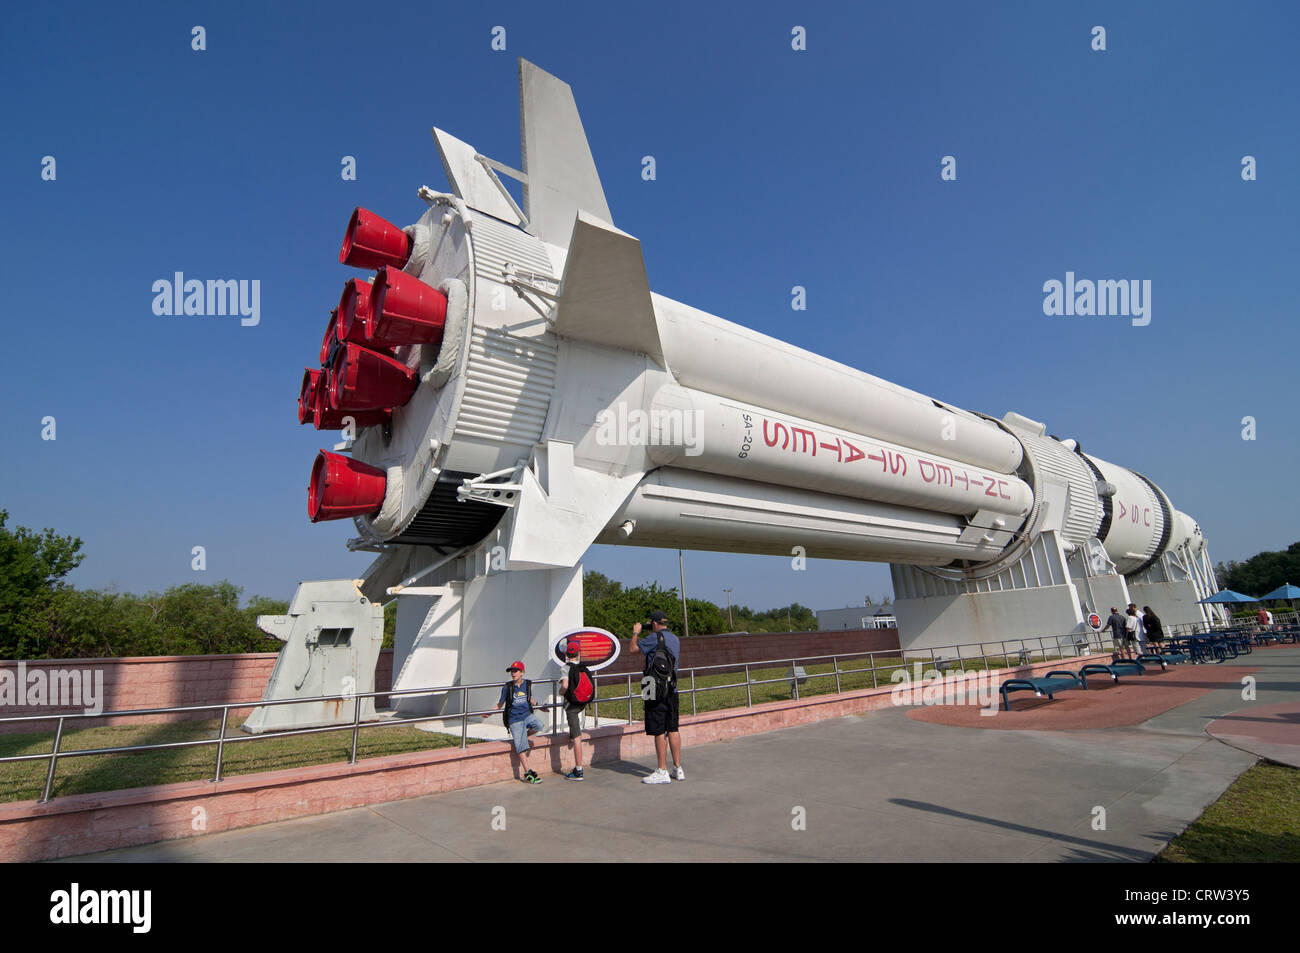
662, 667
510, 700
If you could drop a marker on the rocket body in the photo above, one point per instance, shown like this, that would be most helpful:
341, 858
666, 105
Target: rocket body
555, 401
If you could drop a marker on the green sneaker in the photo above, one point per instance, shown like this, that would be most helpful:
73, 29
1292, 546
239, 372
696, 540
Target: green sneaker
531, 777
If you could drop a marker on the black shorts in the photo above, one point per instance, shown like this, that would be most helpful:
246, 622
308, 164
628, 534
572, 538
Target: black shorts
661, 716
574, 712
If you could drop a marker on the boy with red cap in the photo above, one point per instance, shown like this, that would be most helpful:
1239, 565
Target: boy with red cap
520, 720
578, 690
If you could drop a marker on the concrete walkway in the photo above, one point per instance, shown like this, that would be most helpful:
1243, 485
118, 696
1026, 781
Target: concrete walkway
874, 787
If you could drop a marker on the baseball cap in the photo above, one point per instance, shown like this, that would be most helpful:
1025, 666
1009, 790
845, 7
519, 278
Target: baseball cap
515, 665
573, 648
658, 616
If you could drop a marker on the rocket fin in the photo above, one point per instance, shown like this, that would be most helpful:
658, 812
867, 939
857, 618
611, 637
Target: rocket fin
604, 296
469, 180
561, 174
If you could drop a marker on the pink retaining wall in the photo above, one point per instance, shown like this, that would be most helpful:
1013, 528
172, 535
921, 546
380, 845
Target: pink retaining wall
86, 823
162, 682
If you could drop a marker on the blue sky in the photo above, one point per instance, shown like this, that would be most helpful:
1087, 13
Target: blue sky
775, 168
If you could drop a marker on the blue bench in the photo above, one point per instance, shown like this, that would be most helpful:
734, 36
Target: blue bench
1164, 659
1203, 649
1048, 685
1101, 668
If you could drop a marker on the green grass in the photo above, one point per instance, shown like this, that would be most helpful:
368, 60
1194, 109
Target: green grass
1256, 820
110, 772
25, 780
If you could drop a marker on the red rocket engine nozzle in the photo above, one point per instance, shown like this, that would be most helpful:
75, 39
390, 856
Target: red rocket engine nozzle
373, 242
327, 342
362, 379
324, 417
342, 487
353, 312
307, 395
404, 310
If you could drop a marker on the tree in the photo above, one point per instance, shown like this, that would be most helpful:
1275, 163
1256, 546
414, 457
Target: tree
1262, 572
390, 624
32, 567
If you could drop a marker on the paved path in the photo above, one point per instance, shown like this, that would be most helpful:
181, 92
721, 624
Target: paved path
875, 787
1270, 731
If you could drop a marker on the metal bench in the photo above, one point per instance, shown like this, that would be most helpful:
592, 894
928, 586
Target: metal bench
1133, 663
1048, 685
1098, 668
1163, 659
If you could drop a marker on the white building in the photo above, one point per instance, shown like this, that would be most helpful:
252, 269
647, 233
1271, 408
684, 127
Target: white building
857, 617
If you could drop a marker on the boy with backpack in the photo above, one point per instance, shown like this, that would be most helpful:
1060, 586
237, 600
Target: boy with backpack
578, 689
517, 712
659, 689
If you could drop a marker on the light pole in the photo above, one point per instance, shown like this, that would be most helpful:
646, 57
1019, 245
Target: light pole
731, 623
681, 571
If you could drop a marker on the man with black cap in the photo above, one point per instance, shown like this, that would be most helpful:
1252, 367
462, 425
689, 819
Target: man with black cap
661, 712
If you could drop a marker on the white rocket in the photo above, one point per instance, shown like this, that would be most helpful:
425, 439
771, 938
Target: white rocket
518, 393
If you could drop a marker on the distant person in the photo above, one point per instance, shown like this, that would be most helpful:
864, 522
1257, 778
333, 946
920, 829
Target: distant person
1268, 613
1262, 616
1130, 631
661, 711
1118, 626
1155, 628
578, 689
520, 720
1142, 626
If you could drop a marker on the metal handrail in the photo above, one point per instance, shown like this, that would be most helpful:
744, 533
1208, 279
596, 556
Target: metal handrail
1071, 641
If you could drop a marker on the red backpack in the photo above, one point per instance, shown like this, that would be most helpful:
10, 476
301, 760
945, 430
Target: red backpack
581, 688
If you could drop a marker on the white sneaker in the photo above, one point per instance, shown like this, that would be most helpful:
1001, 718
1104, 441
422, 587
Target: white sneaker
681, 775
660, 776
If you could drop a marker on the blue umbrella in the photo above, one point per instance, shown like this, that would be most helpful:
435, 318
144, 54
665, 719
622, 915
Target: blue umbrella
1288, 592
1227, 595
1284, 592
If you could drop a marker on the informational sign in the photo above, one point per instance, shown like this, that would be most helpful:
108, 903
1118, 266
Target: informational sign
599, 648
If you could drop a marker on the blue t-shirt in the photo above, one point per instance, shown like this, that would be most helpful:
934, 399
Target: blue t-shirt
646, 643
516, 696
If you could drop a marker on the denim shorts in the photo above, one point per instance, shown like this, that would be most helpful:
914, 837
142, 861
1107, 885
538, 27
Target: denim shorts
519, 731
